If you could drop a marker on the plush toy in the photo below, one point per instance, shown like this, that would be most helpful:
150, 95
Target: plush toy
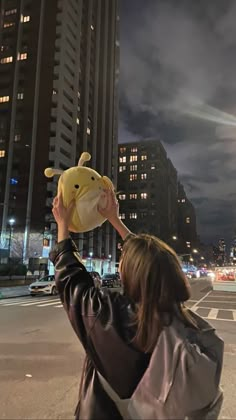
86, 187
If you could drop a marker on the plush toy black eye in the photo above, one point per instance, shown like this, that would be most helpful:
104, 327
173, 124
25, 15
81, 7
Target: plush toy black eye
93, 179
76, 186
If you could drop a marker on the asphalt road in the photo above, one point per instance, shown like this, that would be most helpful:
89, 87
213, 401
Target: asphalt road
41, 358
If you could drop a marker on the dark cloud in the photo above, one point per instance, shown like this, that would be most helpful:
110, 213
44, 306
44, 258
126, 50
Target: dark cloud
177, 75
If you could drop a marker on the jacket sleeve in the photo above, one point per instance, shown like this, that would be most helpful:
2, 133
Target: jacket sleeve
74, 284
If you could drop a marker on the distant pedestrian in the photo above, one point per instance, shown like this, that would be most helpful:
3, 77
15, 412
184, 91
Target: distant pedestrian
145, 356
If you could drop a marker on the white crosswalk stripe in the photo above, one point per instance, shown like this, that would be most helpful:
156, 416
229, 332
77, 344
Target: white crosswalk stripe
39, 303
49, 303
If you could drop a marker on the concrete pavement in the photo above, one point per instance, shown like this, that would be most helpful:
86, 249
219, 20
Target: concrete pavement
41, 358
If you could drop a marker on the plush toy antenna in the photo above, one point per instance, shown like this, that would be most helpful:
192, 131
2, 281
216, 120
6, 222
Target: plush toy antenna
50, 172
85, 157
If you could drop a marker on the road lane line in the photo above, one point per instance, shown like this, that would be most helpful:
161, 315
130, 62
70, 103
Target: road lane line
213, 313
234, 315
48, 304
58, 306
54, 301
200, 300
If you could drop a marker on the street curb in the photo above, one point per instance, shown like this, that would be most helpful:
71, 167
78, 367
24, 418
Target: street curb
12, 297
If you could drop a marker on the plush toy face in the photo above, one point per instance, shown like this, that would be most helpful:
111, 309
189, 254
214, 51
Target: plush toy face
86, 187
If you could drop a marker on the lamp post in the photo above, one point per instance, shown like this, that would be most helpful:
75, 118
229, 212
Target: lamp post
11, 223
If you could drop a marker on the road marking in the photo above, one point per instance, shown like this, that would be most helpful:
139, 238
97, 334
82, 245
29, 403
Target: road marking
219, 319
48, 304
234, 315
220, 301
22, 302
200, 300
213, 313
218, 309
58, 306
53, 301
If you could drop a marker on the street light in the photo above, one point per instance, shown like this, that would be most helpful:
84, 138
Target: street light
174, 238
195, 251
91, 255
11, 223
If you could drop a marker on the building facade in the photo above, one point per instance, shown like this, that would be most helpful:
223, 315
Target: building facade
59, 64
147, 186
187, 227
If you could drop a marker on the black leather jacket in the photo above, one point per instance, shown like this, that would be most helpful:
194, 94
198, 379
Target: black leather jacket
101, 320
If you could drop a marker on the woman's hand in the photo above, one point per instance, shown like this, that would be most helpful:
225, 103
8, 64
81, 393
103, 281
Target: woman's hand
111, 211
62, 216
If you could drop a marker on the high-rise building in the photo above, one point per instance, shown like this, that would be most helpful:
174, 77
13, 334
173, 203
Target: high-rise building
147, 185
58, 97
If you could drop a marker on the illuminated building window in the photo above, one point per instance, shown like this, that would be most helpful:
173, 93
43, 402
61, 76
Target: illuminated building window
20, 95
122, 196
122, 216
92, 27
153, 166
25, 19
123, 159
143, 176
22, 56
122, 149
88, 131
144, 196
133, 168
54, 92
134, 150
13, 181
8, 24
188, 244
10, 12
144, 157
6, 60
133, 216
183, 200
77, 121
133, 158
122, 168
133, 196
4, 99
2, 153
133, 177
187, 220
178, 201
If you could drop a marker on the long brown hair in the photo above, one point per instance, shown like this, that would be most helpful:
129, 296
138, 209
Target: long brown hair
154, 281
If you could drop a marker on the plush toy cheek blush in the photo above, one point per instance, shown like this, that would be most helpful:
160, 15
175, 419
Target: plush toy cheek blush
86, 187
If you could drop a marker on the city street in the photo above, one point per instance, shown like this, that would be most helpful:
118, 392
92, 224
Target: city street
41, 358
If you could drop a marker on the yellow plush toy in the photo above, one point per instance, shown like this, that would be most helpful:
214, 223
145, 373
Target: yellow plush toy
86, 187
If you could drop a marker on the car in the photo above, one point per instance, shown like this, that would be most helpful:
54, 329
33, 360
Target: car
111, 280
96, 278
46, 286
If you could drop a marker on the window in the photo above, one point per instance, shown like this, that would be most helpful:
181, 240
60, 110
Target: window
20, 95
88, 131
10, 12
122, 216
133, 168
133, 215
122, 168
133, 177
122, 149
54, 92
122, 196
134, 150
143, 176
92, 27
144, 157
6, 60
4, 99
2, 153
133, 196
13, 181
123, 159
25, 19
183, 200
144, 196
187, 220
8, 24
133, 158
188, 244
153, 166
77, 121
22, 56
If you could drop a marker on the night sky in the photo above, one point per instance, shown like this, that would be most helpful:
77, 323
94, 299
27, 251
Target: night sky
178, 84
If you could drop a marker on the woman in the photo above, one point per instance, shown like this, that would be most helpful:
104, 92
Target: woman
118, 331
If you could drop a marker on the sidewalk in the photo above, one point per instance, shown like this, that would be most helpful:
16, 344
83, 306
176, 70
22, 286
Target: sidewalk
12, 292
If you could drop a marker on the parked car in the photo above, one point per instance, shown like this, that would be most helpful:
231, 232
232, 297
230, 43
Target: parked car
46, 286
109, 280
96, 278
